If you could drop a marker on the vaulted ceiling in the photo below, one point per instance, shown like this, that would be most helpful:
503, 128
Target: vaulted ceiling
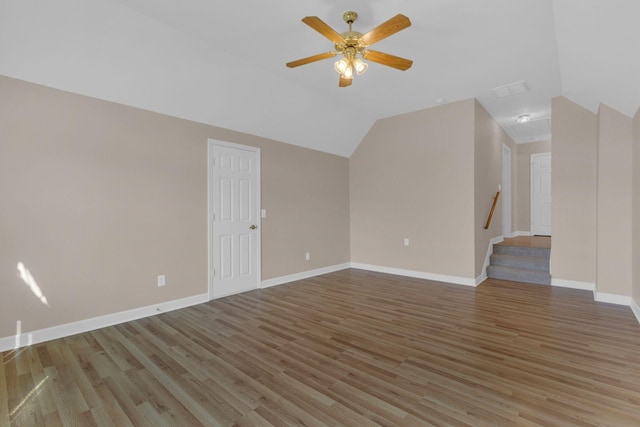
222, 63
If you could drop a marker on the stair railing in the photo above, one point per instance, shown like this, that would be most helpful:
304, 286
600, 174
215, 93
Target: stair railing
493, 208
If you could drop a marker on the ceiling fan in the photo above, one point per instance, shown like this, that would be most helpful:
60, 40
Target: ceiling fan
352, 43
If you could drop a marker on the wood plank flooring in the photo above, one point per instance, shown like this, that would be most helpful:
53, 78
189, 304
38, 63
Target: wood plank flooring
350, 348
527, 241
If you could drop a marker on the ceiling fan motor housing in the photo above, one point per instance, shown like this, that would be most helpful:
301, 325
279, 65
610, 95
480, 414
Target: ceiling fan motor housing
352, 39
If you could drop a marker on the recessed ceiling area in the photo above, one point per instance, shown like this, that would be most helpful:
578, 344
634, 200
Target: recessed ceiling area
223, 63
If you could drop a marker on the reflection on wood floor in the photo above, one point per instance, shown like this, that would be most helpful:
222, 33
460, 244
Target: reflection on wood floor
349, 348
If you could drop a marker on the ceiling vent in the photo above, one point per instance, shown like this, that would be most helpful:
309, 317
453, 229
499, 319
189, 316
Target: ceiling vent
534, 130
510, 89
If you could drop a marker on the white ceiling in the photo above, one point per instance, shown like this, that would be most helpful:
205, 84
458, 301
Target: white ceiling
222, 63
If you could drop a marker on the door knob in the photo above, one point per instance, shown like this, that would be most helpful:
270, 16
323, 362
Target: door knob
253, 227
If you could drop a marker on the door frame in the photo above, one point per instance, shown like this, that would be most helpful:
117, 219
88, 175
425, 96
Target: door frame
531, 183
507, 207
211, 147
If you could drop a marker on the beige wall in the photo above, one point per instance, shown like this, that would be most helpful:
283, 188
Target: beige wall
306, 195
573, 186
489, 139
614, 268
412, 177
100, 198
522, 220
636, 208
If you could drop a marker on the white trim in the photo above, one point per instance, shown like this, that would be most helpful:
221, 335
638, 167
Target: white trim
417, 274
209, 221
521, 233
533, 157
482, 277
487, 259
572, 284
612, 298
67, 329
598, 296
304, 275
215, 142
636, 309
507, 193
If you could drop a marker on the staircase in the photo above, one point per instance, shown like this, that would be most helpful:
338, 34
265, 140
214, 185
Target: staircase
520, 264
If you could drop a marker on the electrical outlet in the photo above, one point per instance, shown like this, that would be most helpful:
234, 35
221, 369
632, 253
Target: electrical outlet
161, 280
307, 256
406, 241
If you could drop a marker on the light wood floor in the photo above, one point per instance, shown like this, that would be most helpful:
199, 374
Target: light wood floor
349, 348
528, 241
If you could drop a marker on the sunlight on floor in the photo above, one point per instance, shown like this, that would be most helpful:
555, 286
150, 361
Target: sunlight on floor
33, 393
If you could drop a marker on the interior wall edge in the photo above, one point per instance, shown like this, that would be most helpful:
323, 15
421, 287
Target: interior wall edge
487, 259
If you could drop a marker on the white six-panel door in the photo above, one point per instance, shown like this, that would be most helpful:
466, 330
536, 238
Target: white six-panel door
234, 241
541, 194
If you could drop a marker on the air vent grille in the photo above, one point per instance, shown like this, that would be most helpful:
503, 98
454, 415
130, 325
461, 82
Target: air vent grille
510, 89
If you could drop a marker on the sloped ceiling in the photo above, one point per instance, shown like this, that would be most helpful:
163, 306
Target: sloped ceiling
222, 63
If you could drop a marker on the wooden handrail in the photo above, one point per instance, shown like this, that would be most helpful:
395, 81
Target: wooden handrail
493, 208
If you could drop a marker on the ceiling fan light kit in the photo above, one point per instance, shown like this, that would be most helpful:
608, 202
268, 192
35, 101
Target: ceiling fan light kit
352, 44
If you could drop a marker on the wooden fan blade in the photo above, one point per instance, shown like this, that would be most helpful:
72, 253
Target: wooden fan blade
345, 82
386, 29
320, 26
388, 60
310, 59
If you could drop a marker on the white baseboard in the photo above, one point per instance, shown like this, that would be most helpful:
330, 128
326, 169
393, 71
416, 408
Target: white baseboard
573, 284
521, 233
417, 274
597, 296
61, 331
636, 309
612, 298
304, 275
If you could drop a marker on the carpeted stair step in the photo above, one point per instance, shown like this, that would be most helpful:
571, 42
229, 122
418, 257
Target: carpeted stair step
520, 264
519, 275
523, 262
522, 251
